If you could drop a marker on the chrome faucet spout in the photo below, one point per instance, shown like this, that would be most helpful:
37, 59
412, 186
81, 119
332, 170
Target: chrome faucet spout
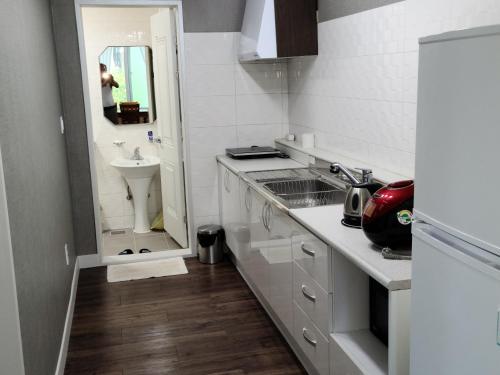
137, 154
337, 168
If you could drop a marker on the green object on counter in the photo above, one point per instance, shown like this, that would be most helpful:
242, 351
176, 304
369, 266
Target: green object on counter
157, 223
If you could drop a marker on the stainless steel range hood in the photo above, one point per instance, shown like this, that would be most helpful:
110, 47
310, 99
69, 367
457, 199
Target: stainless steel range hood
275, 29
258, 32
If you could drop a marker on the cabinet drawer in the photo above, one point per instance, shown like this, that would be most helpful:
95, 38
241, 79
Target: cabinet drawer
312, 255
311, 341
312, 299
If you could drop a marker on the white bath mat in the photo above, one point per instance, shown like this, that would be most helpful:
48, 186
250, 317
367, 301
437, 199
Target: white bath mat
145, 270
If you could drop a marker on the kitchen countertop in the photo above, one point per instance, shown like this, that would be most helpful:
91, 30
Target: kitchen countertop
325, 223
253, 165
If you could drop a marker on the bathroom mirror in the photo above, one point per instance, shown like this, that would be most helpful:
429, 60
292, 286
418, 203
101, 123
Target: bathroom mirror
127, 85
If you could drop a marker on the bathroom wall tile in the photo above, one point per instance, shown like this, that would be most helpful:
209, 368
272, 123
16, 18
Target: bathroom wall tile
209, 142
156, 182
259, 78
128, 206
210, 48
207, 80
368, 64
410, 77
154, 203
225, 99
204, 220
205, 201
128, 221
109, 183
249, 135
110, 223
210, 111
259, 109
112, 205
203, 172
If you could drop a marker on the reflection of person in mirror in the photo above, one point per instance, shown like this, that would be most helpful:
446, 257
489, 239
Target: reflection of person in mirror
107, 84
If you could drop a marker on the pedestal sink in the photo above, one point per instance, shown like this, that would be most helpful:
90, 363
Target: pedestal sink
139, 174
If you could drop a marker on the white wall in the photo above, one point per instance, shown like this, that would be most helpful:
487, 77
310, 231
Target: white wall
116, 27
359, 95
228, 104
11, 355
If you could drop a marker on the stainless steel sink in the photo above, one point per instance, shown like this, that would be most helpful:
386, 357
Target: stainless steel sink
306, 193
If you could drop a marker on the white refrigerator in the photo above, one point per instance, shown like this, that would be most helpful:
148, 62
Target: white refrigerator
455, 312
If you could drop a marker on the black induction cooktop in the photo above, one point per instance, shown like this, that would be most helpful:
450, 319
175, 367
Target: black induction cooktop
252, 152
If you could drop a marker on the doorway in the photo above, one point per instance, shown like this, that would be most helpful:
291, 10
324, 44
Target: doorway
132, 76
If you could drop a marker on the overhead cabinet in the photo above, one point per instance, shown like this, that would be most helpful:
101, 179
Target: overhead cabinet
275, 29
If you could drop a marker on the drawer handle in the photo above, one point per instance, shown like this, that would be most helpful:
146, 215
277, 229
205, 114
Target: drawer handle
308, 338
307, 251
307, 294
248, 199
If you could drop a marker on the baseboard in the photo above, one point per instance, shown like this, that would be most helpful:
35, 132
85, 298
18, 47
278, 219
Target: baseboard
63, 351
89, 261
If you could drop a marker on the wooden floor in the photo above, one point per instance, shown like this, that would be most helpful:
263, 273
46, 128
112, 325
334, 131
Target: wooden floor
205, 322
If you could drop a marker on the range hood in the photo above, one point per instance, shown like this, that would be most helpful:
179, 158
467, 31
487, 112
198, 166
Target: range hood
275, 29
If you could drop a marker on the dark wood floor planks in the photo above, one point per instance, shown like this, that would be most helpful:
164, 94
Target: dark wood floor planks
204, 323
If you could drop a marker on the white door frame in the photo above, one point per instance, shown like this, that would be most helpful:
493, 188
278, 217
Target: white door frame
79, 4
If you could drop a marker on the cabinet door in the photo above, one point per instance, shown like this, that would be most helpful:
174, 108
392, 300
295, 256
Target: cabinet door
280, 260
243, 237
258, 267
230, 207
223, 195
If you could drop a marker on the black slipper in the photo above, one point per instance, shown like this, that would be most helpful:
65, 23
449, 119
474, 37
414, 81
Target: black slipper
126, 252
143, 251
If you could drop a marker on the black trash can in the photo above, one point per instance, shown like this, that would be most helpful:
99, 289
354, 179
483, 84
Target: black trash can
210, 243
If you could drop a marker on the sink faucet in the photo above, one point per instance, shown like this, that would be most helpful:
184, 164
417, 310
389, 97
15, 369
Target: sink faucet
367, 174
137, 154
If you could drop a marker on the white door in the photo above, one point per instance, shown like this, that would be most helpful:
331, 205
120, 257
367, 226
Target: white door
164, 45
455, 306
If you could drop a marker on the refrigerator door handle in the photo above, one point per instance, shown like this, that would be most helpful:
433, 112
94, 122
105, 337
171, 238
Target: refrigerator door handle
463, 251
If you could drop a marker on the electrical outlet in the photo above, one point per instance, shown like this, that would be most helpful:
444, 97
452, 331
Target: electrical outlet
61, 122
66, 253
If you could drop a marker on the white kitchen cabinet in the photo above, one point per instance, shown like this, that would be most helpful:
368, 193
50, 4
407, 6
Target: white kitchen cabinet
311, 341
230, 207
257, 265
280, 263
312, 299
246, 220
311, 254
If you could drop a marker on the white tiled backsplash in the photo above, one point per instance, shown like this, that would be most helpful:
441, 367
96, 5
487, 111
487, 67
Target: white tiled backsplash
228, 104
359, 95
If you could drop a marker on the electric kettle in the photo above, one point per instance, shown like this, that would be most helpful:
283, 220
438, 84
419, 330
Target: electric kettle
358, 194
388, 215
